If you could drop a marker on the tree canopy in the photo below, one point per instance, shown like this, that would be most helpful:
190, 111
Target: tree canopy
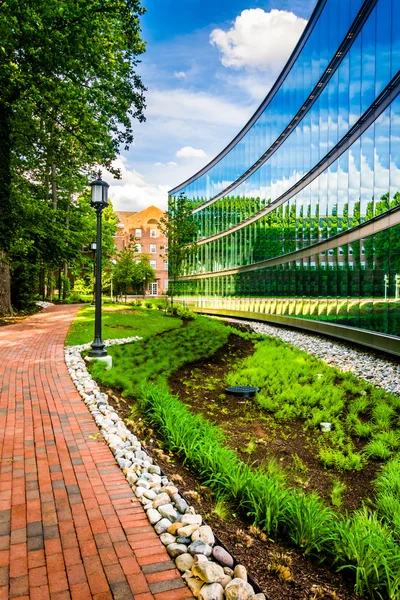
69, 95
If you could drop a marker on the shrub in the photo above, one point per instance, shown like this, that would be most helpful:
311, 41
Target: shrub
183, 312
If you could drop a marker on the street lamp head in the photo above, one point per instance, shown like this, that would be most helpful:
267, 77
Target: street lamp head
93, 246
99, 192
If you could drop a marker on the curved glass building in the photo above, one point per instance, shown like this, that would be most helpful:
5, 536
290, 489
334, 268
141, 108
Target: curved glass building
298, 218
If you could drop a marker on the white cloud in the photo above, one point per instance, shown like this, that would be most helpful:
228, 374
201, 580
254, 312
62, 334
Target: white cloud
189, 152
133, 192
180, 74
181, 104
171, 163
258, 39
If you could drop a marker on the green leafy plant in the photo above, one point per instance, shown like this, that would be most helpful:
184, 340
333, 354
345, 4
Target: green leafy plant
338, 489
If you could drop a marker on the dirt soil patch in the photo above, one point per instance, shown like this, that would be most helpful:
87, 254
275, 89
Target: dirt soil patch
280, 571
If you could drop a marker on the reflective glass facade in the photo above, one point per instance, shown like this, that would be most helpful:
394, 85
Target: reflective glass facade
302, 211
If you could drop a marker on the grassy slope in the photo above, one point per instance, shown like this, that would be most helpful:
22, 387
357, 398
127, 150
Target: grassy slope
119, 322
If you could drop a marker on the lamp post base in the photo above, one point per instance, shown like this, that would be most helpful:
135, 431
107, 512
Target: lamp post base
106, 359
97, 350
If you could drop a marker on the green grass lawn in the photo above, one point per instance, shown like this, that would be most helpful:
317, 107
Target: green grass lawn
119, 322
155, 358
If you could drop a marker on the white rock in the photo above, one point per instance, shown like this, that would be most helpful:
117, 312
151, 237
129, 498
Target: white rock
194, 585
170, 490
150, 494
154, 516
175, 549
167, 538
162, 526
187, 530
161, 499
167, 511
131, 478
224, 582
204, 534
184, 562
139, 491
189, 519
238, 589
215, 591
208, 571
155, 469
143, 483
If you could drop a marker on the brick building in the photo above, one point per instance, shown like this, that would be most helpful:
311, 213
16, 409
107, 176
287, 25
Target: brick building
143, 226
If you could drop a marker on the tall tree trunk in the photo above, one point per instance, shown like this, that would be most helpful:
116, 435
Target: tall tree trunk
6, 220
66, 264
5, 284
54, 199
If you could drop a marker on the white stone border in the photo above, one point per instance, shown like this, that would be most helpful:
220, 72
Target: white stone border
207, 568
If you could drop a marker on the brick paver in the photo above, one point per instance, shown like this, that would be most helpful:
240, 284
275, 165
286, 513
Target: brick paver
70, 526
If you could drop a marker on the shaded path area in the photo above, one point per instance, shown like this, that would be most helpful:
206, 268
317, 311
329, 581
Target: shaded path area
70, 526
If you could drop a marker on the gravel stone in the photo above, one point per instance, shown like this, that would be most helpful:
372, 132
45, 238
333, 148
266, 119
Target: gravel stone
223, 557
184, 562
153, 515
162, 526
175, 549
200, 548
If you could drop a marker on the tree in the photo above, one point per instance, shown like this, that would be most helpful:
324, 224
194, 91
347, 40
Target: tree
180, 230
124, 269
68, 96
143, 273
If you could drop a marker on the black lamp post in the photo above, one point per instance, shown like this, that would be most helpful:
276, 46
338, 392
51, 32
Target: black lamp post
99, 202
93, 247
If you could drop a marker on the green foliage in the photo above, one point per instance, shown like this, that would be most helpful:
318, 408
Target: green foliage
294, 385
341, 460
338, 489
368, 549
80, 287
310, 523
184, 312
157, 358
363, 545
378, 449
69, 95
119, 322
387, 499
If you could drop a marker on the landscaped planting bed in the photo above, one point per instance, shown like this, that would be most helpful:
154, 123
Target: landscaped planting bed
266, 461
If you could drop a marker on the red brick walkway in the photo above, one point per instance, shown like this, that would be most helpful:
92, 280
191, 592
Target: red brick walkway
70, 526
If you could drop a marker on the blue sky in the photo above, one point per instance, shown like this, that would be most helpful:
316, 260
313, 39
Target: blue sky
207, 67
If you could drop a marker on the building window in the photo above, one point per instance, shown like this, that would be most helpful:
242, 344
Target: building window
138, 233
153, 248
153, 264
153, 233
165, 265
138, 248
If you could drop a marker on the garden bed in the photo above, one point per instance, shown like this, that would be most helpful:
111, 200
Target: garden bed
256, 435
233, 455
281, 571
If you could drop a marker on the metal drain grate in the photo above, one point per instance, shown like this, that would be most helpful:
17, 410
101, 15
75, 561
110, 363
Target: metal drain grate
245, 391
